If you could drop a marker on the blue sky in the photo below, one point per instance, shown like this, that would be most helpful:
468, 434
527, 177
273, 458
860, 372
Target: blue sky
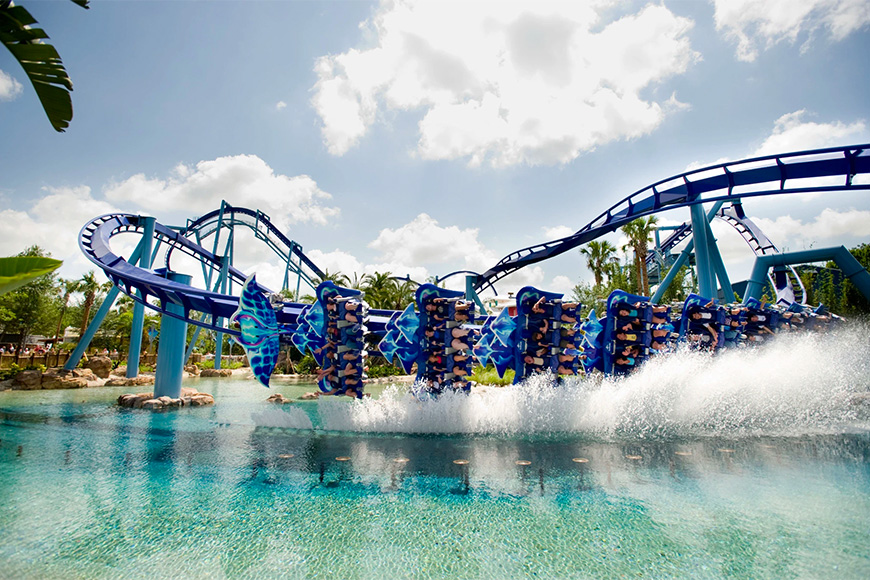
426, 137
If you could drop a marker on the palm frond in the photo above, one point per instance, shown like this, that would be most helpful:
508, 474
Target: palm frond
40, 61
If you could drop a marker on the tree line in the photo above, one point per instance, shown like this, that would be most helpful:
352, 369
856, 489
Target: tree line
49, 304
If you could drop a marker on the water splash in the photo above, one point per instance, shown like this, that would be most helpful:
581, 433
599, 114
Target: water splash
290, 418
796, 385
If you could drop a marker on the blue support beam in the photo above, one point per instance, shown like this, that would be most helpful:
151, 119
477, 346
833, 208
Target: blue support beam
170, 351
851, 268
719, 268
471, 294
682, 259
85, 340
135, 349
72, 362
703, 263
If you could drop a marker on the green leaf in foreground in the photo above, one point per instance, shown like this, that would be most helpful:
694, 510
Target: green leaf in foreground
18, 271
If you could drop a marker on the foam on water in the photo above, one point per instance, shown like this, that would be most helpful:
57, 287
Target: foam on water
798, 384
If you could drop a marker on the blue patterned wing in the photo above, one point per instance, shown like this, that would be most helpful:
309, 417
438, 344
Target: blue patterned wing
408, 323
388, 346
503, 326
259, 330
482, 350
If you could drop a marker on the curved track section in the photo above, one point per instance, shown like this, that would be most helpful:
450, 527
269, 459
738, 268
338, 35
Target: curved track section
677, 236
94, 241
733, 215
770, 175
263, 229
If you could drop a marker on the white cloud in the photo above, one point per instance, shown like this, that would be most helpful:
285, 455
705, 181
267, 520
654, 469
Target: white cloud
528, 276
424, 241
792, 133
561, 284
337, 261
421, 248
506, 83
830, 224
241, 180
557, 232
280, 105
9, 87
768, 22
53, 222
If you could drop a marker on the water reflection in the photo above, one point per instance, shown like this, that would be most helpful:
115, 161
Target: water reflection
109, 489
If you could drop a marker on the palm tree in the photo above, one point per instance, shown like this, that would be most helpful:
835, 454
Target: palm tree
639, 234
404, 294
380, 289
40, 61
357, 281
88, 286
68, 286
598, 256
336, 278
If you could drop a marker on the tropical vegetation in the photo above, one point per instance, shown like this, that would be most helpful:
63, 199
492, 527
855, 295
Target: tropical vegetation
49, 304
41, 62
639, 233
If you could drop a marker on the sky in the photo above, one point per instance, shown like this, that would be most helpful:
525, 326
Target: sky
425, 137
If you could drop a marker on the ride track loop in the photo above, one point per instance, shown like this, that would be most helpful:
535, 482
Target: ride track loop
94, 241
725, 182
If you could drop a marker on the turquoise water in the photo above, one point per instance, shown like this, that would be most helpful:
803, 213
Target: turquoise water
749, 465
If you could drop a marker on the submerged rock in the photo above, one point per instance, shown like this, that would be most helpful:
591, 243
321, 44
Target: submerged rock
189, 397
216, 373
278, 398
63, 379
139, 381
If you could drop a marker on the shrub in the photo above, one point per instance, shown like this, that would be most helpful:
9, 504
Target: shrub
489, 376
307, 365
383, 370
10, 372
209, 364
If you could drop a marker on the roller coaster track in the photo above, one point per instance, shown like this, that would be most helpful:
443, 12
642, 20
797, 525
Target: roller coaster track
208, 224
94, 243
759, 176
733, 215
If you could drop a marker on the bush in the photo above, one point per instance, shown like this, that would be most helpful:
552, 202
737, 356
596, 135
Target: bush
15, 369
10, 372
307, 365
383, 370
209, 364
489, 376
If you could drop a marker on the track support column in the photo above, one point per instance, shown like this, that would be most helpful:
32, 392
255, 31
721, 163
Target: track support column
706, 277
470, 293
719, 268
170, 351
135, 349
682, 259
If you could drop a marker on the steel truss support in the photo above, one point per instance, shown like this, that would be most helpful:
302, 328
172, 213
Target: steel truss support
851, 268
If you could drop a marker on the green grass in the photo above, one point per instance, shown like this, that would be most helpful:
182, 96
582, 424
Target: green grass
489, 376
